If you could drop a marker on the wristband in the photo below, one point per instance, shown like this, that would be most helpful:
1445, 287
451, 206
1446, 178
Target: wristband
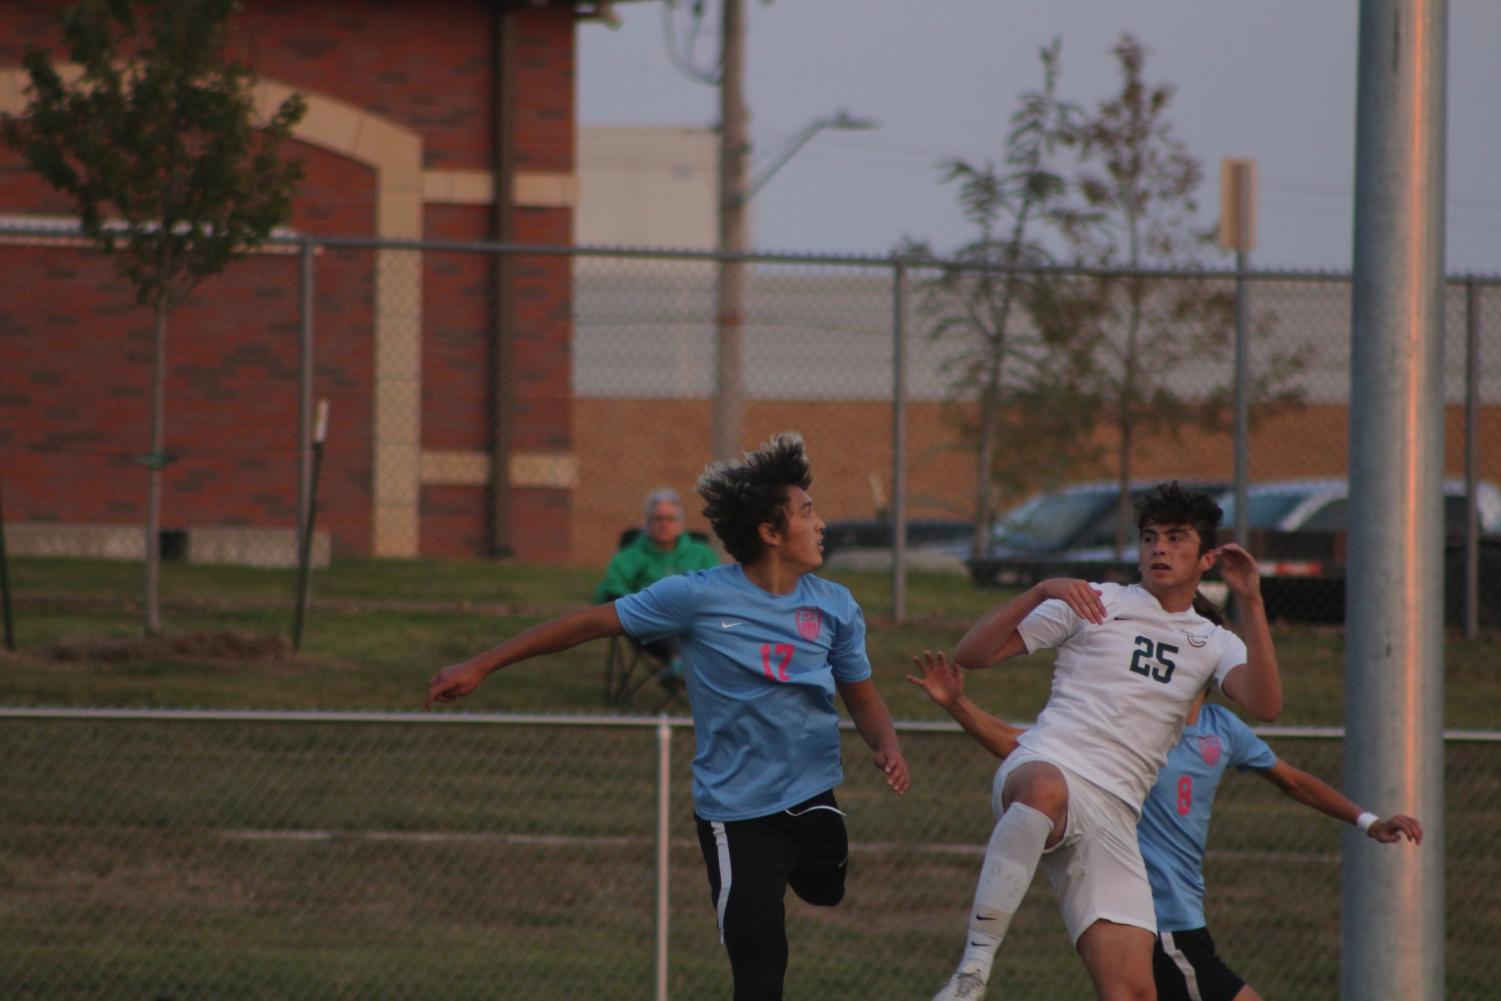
1364, 822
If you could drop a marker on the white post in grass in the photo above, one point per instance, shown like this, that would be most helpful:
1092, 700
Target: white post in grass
664, 856
1392, 899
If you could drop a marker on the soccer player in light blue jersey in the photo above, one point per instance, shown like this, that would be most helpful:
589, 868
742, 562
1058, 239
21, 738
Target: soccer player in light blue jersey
766, 646
1174, 824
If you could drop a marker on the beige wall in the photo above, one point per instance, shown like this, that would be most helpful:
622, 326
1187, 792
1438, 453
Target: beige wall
627, 447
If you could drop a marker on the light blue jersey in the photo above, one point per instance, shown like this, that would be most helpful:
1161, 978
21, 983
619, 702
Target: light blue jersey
760, 669
1174, 823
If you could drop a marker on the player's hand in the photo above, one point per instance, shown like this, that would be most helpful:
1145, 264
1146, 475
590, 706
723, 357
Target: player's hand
891, 762
1396, 826
1077, 595
940, 681
452, 683
1239, 570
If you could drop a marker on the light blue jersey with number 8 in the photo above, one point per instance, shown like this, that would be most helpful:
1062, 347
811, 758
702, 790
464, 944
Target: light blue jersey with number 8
1174, 823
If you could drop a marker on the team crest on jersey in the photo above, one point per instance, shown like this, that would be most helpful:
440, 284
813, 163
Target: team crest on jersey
1196, 641
1209, 749
809, 622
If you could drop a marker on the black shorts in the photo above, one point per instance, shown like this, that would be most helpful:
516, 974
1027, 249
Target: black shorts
1186, 968
751, 863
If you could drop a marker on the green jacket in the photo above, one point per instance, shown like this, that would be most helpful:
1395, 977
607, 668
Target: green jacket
640, 564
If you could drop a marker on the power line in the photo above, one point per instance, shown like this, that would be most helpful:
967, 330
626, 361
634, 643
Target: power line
681, 56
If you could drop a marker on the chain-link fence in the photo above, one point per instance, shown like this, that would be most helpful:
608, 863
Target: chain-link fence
162, 855
492, 400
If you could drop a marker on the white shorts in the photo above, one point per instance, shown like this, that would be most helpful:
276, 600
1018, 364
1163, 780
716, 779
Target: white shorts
1096, 868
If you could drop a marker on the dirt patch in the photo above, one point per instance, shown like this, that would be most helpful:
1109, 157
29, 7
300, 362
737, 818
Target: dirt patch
239, 647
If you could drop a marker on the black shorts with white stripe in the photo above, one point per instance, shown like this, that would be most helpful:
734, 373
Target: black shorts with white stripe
751, 863
1186, 968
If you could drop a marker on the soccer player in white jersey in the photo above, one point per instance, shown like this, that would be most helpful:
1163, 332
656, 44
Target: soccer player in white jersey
1130, 662
765, 645
1174, 826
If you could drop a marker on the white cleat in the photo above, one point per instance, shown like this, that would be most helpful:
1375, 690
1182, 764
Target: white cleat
962, 986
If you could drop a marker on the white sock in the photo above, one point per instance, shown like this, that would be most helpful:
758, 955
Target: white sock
1010, 860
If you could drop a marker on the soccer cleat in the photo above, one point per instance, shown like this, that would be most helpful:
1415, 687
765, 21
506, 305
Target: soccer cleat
962, 986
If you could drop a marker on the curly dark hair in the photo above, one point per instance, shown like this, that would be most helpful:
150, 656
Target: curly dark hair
741, 496
1171, 504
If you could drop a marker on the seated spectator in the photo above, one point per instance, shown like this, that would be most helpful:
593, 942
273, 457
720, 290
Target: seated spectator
660, 550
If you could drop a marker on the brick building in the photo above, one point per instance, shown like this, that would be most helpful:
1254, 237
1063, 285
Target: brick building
438, 120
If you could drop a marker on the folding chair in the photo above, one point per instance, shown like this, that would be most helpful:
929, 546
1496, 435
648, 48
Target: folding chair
628, 666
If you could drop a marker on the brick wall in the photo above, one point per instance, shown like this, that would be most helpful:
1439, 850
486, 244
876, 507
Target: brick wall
422, 67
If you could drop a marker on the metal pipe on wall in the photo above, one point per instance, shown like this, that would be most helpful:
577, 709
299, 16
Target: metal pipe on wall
503, 60
305, 388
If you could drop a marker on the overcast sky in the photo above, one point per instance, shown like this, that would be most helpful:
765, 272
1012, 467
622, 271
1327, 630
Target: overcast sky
1273, 80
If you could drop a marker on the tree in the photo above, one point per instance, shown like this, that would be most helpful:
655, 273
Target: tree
1137, 181
157, 143
1006, 360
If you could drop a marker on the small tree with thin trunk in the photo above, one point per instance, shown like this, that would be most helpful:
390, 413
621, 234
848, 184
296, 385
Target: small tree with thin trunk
1026, 424
1137, 181
158, 142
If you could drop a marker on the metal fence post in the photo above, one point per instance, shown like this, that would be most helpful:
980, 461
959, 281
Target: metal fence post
1472, 460
899, 440
664, 857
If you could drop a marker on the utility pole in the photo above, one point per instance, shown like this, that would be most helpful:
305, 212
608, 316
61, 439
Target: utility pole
1238, 233
729, 389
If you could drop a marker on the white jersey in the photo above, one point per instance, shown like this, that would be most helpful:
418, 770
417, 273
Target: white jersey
1121, 689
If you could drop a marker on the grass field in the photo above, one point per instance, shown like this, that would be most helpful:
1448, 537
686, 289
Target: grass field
151, 859
378, 629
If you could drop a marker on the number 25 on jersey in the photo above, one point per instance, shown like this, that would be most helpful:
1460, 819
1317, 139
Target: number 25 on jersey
1150, 659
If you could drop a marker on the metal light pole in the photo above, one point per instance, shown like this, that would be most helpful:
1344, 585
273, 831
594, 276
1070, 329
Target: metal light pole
734, 232
1392, 900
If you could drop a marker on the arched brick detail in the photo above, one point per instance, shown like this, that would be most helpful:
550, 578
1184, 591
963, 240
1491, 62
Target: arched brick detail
394, 154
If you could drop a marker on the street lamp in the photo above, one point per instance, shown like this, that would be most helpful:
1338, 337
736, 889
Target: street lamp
840, 119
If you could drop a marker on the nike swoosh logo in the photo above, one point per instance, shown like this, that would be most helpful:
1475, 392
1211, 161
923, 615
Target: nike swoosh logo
981, 917
1122, 618
730, 625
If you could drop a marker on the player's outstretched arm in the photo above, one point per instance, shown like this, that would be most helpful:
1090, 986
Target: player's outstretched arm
873, 722
944, 684
458, 680
1257, 684
994, 637
1313, 791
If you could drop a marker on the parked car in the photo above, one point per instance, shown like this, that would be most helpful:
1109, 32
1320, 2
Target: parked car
1066, 532
865, 543
1298, 533
1320, 505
